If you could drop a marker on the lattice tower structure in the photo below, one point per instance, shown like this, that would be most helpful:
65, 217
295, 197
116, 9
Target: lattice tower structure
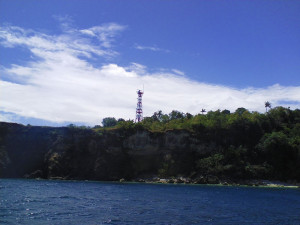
139, 107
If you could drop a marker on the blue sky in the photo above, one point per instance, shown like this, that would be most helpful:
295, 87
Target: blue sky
79, 61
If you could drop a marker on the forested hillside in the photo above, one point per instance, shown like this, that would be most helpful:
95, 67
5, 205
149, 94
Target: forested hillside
241, 144
204, 148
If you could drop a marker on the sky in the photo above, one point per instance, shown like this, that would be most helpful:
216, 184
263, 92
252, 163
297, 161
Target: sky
80, 61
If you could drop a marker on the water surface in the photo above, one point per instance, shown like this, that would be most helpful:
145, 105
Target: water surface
83, 202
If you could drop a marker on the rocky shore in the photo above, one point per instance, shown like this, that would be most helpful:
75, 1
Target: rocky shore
210, 180
201, 180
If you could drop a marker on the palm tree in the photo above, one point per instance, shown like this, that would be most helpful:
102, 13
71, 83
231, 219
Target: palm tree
203, 111
267, 105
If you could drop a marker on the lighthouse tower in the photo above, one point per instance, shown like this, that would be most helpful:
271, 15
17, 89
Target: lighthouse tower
139, 107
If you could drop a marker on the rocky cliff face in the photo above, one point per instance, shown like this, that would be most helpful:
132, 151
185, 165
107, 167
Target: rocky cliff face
75, 153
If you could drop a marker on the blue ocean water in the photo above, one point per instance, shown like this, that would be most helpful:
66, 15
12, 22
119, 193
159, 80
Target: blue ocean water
84, 202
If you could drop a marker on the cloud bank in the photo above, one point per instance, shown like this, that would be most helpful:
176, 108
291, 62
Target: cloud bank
58, 83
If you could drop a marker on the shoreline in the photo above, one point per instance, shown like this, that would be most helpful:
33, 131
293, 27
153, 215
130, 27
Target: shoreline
188, 181
239, 183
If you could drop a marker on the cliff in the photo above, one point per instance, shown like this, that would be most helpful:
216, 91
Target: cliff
130, 154
75, 153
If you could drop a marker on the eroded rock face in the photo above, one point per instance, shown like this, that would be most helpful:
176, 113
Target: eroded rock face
24, 148
74, 153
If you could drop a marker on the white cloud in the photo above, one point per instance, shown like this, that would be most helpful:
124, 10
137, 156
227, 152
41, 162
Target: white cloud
150, 48
137, 68
47, 46
104, 33
63, 86
178, 72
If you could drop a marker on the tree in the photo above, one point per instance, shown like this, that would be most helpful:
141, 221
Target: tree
176, 115
240, 111
109, 122
225, 112
188, 115
267, 105
281, 154
157, 116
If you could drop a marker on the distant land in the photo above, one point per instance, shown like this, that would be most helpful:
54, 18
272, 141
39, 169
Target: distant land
223, 147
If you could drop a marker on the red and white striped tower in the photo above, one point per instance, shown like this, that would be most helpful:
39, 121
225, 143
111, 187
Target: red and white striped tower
139, 107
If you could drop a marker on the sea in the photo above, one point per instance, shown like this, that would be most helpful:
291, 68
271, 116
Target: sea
24, 201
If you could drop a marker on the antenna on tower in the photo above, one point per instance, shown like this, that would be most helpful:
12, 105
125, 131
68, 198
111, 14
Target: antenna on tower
139, 106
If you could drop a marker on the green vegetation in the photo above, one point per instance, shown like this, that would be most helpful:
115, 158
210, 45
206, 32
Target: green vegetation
240, 145
204, 148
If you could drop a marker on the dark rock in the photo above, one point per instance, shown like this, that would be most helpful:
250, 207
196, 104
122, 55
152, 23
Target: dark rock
212, 179
200, 180
35, 174
171, 181
178, 181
